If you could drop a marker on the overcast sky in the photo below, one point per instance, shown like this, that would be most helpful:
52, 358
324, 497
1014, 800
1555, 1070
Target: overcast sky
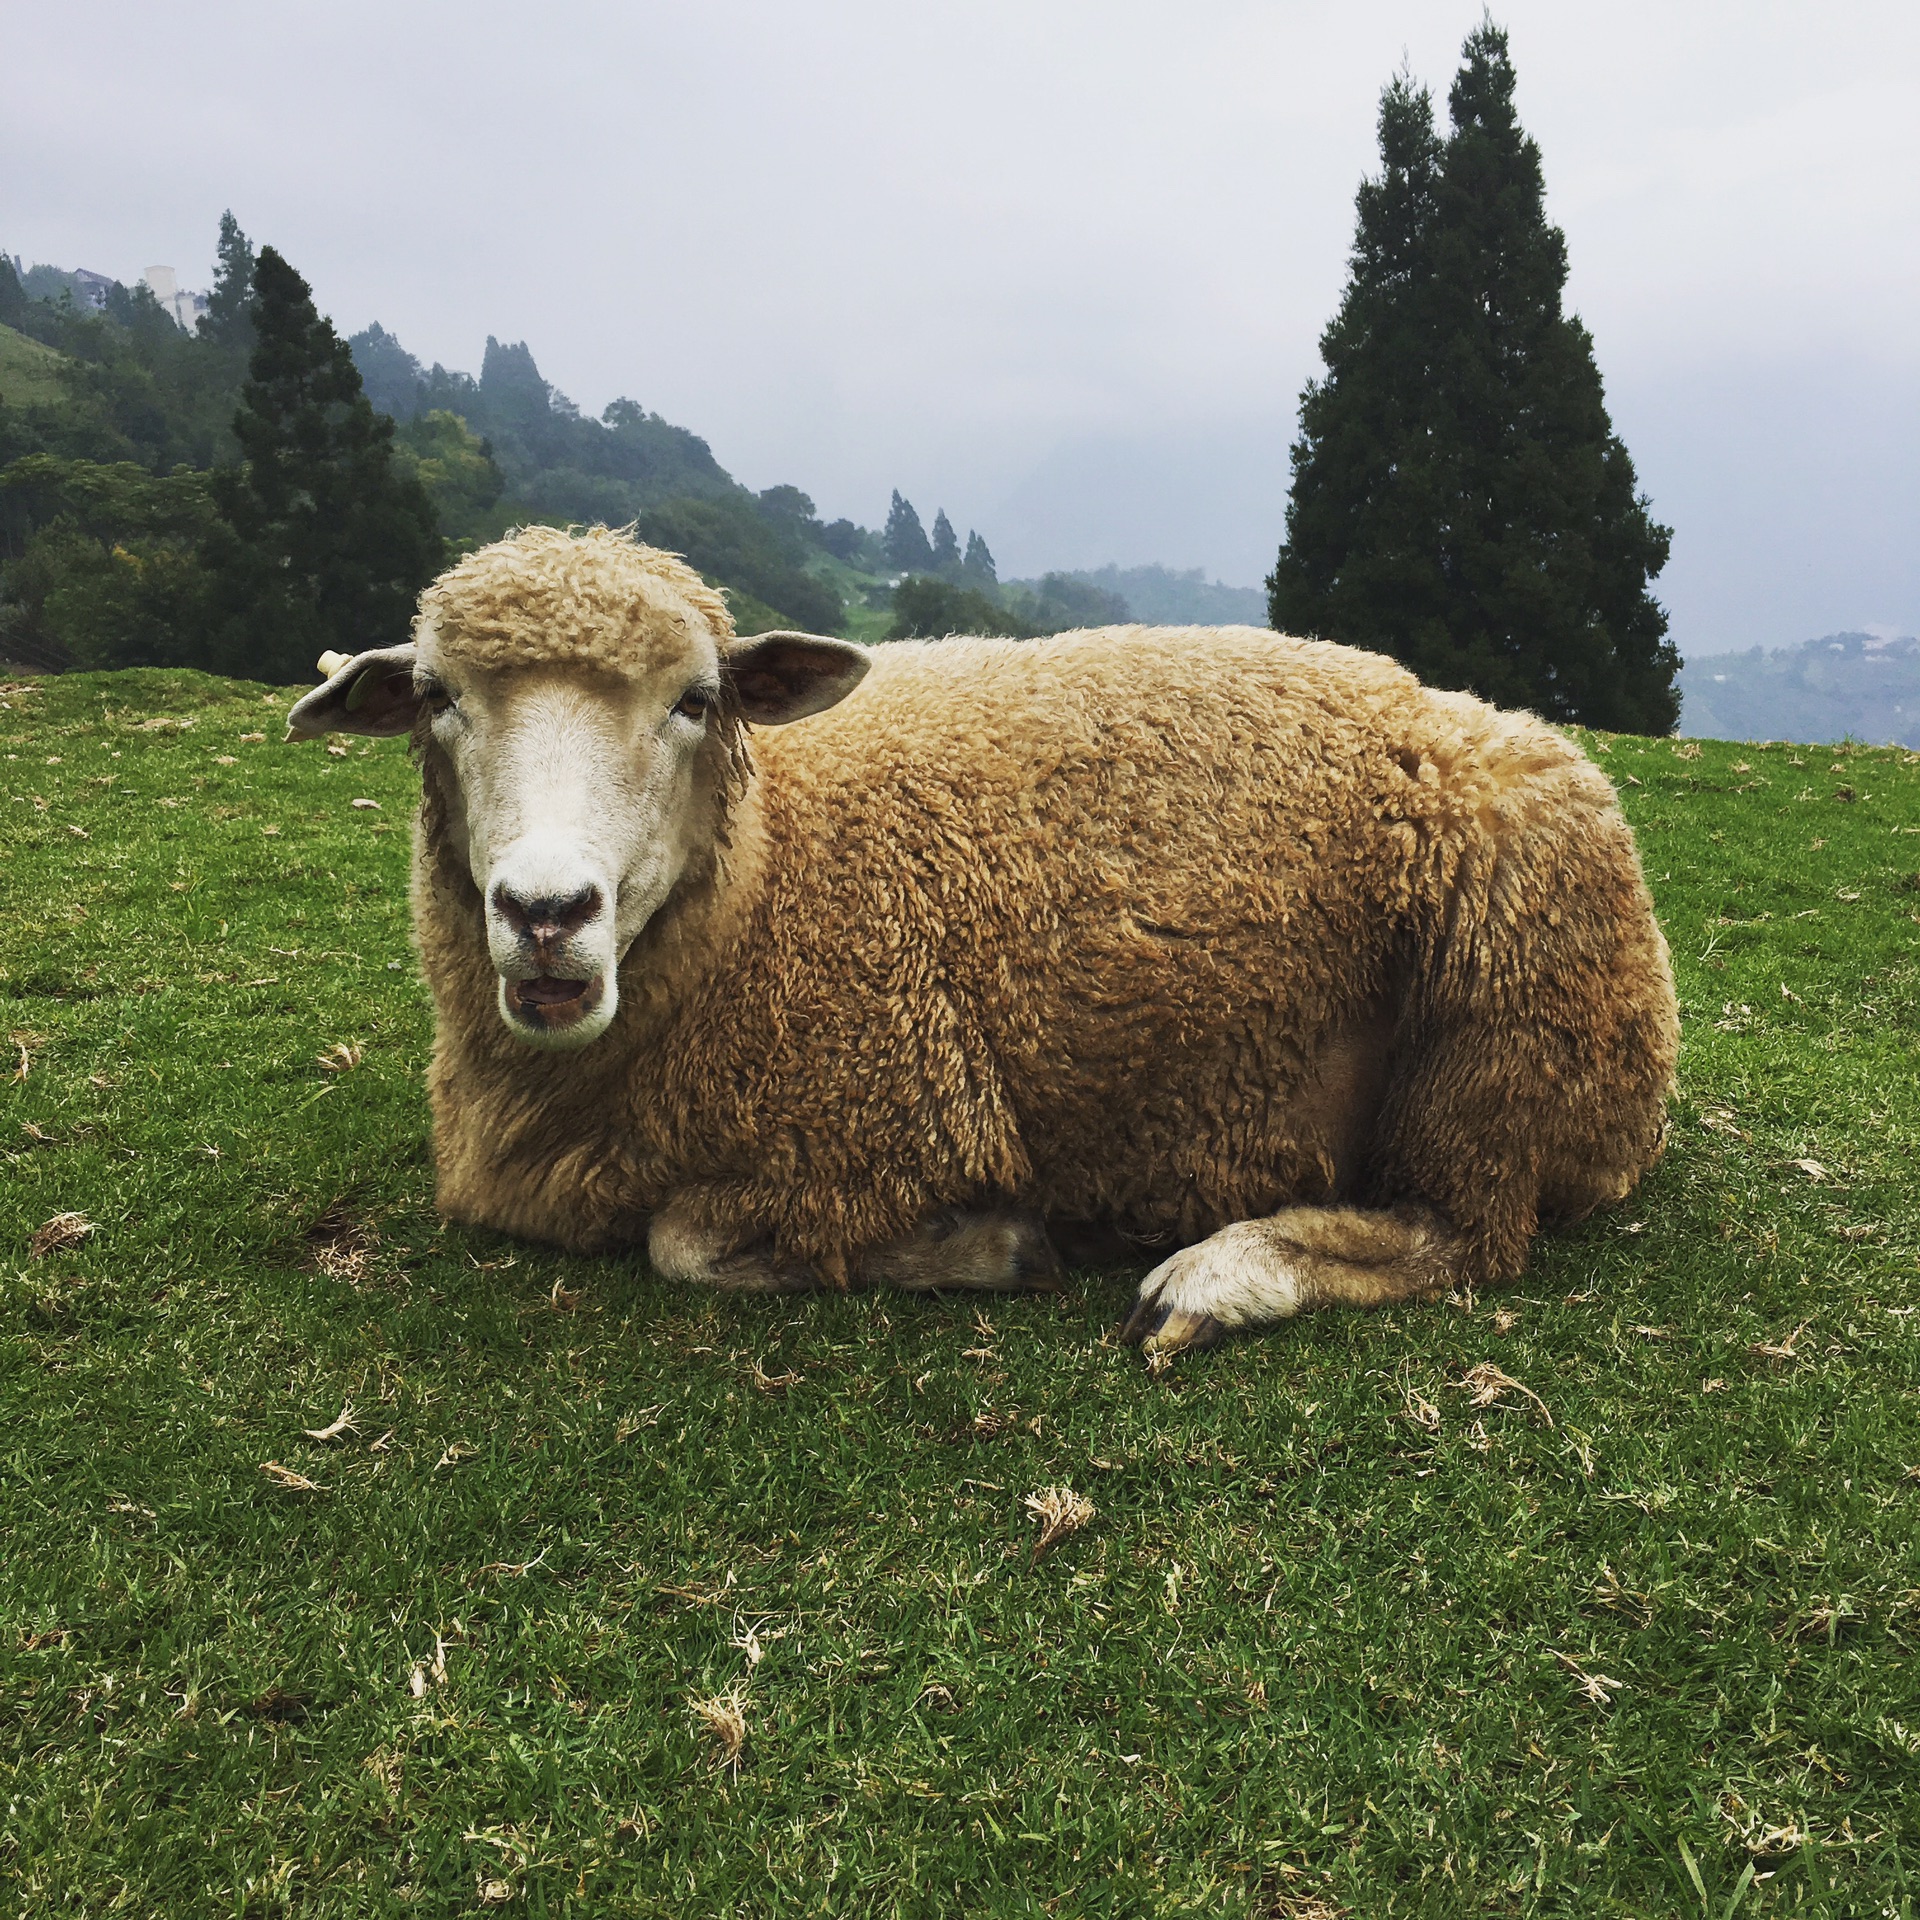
1057, 267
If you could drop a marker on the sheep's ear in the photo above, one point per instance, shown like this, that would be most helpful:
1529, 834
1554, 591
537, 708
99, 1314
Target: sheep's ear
777, 677
366, 693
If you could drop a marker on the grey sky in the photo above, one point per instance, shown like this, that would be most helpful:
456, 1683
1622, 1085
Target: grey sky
1058, 267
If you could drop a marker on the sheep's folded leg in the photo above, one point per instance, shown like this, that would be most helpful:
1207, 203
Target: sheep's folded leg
984, 1252
1255, 1272
992, 1252
680, 1246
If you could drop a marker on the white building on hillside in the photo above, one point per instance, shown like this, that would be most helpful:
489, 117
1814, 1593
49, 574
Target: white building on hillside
164, 285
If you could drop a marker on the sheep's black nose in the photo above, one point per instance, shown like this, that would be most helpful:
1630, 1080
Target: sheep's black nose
549, 916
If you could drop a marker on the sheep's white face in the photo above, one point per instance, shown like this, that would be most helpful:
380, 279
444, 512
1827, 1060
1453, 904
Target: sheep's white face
572, 794
572, 807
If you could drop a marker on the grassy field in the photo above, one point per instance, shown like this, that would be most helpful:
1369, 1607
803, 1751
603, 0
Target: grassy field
1343, 1635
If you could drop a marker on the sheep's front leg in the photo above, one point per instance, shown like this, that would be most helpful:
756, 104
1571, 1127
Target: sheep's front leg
1255, 1272
683, 1245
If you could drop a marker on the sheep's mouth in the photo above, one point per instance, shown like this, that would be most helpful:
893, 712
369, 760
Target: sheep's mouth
552, 1004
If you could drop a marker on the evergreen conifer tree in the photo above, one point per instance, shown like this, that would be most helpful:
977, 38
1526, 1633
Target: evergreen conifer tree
977, 568
1460, 499
323, 540
227, 321
905, 539
946, 546
13, 296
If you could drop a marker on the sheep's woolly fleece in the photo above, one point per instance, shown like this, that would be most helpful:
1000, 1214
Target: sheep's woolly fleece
1161, 928
594, 598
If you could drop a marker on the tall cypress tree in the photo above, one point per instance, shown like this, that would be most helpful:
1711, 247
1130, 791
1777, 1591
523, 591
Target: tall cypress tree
905, 539
946, 546
323, 541
1460, 499
227, 321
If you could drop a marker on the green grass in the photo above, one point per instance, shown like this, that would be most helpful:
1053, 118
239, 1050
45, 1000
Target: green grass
1321, 1649
28, 371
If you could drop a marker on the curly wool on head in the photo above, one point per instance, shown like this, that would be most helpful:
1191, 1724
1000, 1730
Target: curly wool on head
547, 596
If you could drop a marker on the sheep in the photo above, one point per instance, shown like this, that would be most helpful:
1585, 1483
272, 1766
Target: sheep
801, 964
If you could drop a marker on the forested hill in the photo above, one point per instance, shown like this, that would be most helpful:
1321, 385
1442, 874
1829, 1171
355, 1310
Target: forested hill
1163, 596
234, 495
1847, 686
560, 462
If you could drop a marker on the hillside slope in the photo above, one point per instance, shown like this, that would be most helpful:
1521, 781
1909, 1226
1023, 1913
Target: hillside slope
28, 376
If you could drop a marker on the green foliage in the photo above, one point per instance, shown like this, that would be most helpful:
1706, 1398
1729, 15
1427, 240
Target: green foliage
1060, 601
57, 289
557, 464
392, 377
228, 320
946, 546
1162, 596
15, 306
131, 386
792, 512
925, 607
904, 540
853, 545
324, 540
458, 470
102, 563
29, 372
734, 544
1460, 499
977, 569
1325, 1644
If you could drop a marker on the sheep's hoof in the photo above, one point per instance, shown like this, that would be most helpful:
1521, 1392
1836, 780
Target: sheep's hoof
1161, 1332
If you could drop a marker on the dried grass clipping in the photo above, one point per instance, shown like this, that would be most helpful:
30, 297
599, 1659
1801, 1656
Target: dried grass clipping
1306, 1906
1597, 1689
286, 1477
334, 1429
723, 1718
62, 1231
1763, 1349
1488, 1382
430, 1673
1060, 1512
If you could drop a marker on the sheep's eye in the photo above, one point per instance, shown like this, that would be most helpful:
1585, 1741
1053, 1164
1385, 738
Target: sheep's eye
435, 697
694, 704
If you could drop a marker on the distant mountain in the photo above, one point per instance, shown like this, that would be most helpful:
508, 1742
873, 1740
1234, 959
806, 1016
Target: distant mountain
1848, 686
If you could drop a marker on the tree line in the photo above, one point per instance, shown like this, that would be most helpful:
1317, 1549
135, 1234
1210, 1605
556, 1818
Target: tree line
233, 499
245, 496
